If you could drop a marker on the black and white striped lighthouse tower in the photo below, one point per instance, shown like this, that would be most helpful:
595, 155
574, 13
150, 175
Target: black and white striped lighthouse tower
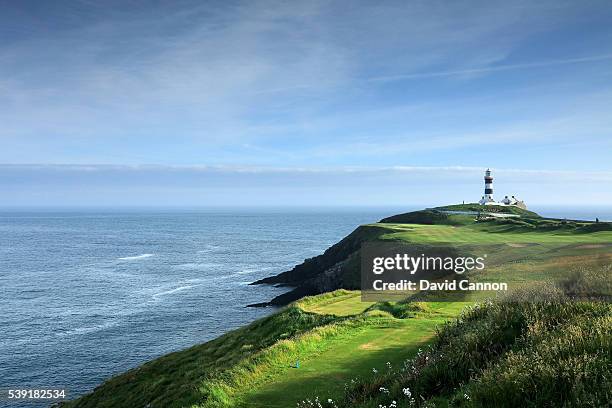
488, 192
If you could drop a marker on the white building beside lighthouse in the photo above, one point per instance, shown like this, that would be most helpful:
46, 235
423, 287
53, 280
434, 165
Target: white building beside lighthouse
487, 198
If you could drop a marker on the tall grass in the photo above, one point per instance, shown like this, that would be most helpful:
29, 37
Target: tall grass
227, 389
505, 354
184, 378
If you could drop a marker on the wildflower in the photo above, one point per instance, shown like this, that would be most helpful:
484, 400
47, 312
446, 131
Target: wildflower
407, 392
467, 397
374, 370
383, 390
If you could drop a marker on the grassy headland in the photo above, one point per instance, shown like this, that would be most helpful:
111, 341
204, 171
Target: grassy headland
339, 268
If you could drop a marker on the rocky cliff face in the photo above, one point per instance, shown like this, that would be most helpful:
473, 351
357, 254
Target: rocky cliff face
337, 267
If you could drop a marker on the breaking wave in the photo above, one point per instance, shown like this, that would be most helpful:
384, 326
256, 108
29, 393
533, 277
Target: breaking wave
134, 258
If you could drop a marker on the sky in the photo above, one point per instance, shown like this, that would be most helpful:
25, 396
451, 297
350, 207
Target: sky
196, 103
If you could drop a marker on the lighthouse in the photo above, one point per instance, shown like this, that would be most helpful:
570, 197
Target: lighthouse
487, 198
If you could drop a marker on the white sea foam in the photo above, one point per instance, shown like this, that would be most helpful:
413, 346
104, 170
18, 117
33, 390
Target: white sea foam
134, 258
171, 291
253, 269
246, 271
85, 330
210, 248
197, 266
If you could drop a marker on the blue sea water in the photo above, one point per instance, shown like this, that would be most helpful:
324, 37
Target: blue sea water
588, 213
89, 294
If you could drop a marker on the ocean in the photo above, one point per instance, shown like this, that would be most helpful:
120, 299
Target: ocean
92, 293
89, 294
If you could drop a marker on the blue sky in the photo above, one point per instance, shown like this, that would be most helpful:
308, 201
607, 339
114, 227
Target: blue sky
304, 103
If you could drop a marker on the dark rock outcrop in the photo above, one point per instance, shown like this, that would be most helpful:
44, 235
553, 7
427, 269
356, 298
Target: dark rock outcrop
337, 267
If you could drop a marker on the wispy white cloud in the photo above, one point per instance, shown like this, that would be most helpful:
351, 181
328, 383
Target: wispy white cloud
207, 76
494, 68
470, 171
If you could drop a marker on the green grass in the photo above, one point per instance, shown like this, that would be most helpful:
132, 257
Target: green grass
435, 226
352, 354
338, 303
485, 234
254, 366
178, 379
553, 353
337, 337
502, 209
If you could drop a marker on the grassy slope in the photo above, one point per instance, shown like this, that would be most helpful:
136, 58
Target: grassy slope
351, 355
342, 340
495, 343
176, 379
556, 353
335, 336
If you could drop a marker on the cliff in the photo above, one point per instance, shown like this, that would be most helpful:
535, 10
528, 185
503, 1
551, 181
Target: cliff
339, 266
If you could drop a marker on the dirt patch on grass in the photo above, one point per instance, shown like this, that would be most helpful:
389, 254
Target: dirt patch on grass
590, 246
369, 346
515, 245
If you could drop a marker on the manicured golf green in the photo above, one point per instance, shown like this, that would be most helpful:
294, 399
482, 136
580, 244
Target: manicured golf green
343, 303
